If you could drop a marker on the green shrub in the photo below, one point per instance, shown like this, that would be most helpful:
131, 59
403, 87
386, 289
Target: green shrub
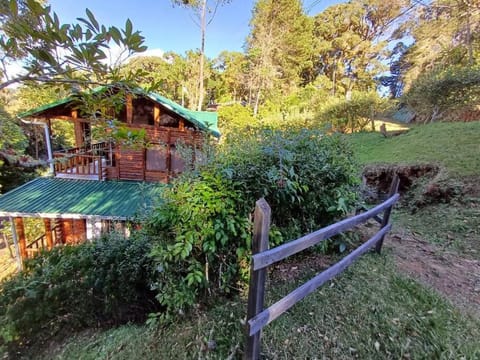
201, 237
306, 176
235, 117
351, 114
100, 283
442, 90
201, 232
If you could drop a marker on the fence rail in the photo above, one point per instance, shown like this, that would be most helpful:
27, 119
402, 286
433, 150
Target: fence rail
257, 317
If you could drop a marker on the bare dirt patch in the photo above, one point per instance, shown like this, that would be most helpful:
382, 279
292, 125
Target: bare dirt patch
453, 276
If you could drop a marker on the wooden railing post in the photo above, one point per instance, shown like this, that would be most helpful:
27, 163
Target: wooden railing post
386, 215
48, 233
256, 291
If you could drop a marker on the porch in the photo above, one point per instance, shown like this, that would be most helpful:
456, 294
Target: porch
159, 161
73, 211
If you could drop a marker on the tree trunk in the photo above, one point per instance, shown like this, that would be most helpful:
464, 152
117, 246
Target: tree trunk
469, 41
257, 101
203, 25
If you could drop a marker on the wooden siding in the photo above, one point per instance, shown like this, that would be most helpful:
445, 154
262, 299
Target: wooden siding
74, 231
131, 164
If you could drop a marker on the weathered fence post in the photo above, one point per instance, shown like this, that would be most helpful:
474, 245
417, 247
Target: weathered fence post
386, 215
256, 291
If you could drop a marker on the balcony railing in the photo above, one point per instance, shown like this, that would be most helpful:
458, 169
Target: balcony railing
79, 166
82, 163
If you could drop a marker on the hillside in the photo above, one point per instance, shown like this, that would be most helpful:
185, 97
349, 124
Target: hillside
406, 303
456, 146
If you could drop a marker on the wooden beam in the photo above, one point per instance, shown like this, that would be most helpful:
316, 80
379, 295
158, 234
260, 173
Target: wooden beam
156, 115
78, 129
181, 124
15, 242
48, 233
129, 108
22, 241
281, 252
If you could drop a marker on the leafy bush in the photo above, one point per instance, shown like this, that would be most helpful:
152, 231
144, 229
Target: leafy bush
353, 114
306, 176
201, 236
105, 282
441, 90
202, 230
235, 117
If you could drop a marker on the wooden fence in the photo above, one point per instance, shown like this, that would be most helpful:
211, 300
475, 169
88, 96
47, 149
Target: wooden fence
257, 316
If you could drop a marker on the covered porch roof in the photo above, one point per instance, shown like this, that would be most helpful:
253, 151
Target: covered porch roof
48, 197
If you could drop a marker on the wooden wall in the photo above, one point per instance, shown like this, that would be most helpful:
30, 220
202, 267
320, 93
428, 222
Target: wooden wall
74, 231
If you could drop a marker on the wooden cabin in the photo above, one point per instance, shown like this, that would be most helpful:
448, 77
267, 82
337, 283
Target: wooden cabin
164, 124
102, 183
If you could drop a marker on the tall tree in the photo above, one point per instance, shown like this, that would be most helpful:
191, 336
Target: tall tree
445, 32
200, 8
351, 39
278, 47
232, 67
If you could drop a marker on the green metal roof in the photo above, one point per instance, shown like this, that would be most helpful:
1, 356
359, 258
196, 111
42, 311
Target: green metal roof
205, 120
49, 197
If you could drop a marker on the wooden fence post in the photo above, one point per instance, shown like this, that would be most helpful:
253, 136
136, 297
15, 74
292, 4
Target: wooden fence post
386, 215
256, 291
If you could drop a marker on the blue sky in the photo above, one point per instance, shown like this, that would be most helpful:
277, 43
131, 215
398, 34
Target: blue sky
171, 28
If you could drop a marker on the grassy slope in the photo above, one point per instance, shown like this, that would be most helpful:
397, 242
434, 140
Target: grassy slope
369, 312
453, 145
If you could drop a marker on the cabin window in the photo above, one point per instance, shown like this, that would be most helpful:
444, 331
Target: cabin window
178, 164
168, 120
157, 158
142, 112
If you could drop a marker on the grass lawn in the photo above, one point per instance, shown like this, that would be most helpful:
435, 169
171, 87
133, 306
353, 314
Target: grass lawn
369, 312
456, 146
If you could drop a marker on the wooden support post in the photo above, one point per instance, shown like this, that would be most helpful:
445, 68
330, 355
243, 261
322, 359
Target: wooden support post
156, 115
48, 233
256, 291
15, 242
169, 153
22, 241
386, 215
129, 108
181, 124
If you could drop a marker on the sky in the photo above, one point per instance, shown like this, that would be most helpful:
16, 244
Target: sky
169, 28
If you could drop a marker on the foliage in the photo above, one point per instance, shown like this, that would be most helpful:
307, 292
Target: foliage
100, 283
445, 33
350, 39
201, 237
438, 91
278, 47
371, 302
235, 117
201, 231
351, 114
11, 135
305, 175
32, 33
